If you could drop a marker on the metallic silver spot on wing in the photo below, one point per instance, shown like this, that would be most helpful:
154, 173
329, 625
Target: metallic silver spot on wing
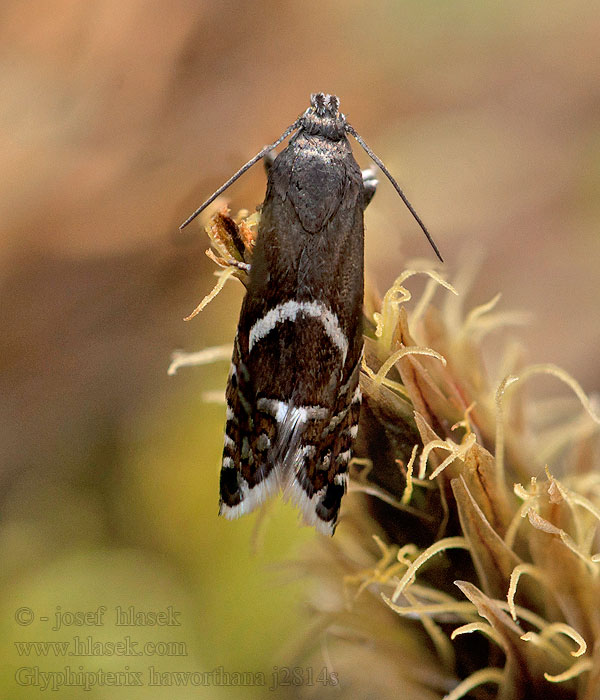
245, 452
263, 443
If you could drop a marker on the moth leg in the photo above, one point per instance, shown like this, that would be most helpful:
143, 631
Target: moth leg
370, 183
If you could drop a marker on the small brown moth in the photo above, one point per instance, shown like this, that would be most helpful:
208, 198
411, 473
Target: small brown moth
293, 395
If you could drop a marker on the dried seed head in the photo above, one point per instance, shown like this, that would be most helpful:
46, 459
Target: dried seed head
437, 534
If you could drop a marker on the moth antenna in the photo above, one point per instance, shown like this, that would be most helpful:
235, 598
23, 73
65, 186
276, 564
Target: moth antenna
385, 171
241, 171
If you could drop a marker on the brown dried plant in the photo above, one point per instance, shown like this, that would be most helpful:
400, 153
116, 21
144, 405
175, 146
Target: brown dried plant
465, 567
466, 563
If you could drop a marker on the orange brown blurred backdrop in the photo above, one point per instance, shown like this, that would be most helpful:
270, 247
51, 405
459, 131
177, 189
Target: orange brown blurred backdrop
118, 118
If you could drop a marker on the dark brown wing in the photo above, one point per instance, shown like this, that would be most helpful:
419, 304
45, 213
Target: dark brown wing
293, 397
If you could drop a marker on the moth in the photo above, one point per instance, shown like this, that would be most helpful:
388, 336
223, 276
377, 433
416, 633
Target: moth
293, 394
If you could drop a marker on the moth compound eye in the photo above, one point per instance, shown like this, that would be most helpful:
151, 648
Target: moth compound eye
334, 104
318, 100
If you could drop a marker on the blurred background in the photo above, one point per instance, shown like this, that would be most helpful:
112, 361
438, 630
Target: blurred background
118, 118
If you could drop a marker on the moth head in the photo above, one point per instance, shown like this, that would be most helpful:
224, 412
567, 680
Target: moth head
325, 105
324, 116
